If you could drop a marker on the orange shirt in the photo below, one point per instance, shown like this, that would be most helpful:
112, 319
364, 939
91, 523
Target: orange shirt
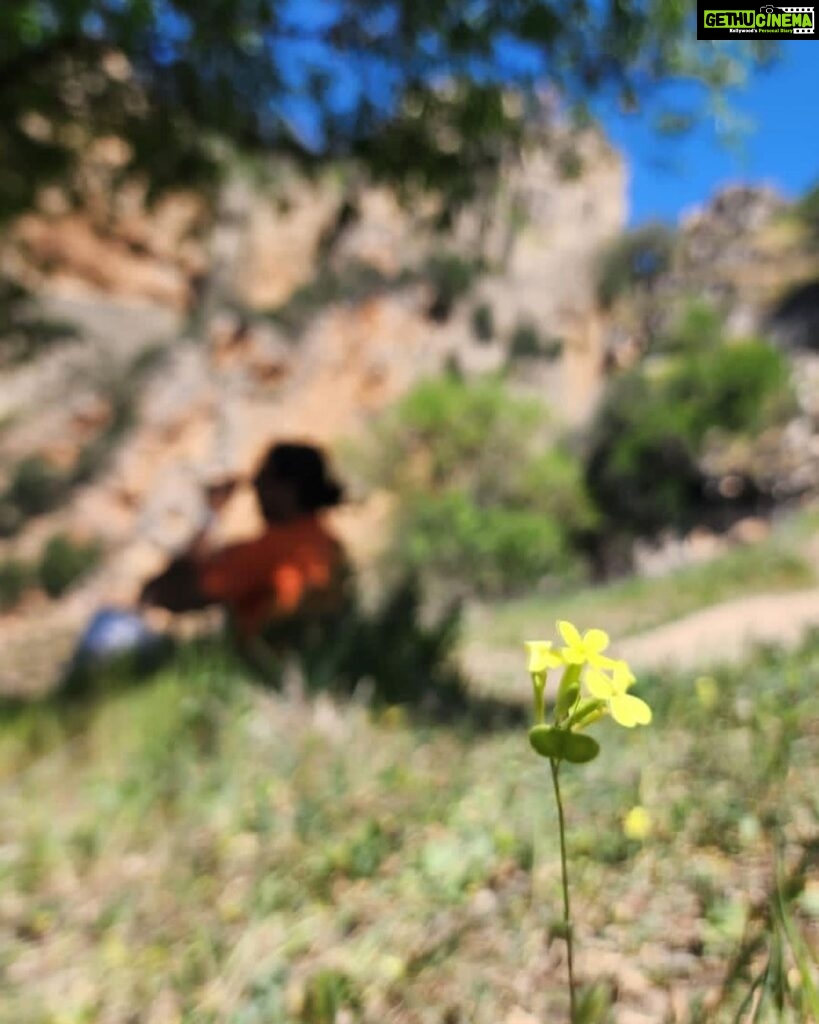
270, 577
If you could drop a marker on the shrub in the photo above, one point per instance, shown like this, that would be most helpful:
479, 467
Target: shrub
697, 328
525, 341
807, 210
452, 276
485, 503
64, 562
637, 259
569, 164
14, 579
647, 438
36, 487
483, 322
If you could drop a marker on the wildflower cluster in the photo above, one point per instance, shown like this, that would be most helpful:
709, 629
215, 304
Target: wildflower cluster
592, 685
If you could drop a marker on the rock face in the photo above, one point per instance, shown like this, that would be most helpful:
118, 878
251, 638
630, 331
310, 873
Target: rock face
204, 398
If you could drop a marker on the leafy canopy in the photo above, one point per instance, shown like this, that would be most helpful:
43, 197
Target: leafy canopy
426, 92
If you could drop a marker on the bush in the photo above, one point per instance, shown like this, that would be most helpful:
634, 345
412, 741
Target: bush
637, 259
646, 441
64, 563
14, 579
36, 487
483, 322
697, 328
525, 341
484, 502
452, 276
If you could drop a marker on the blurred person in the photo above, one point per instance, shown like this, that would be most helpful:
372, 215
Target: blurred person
294, 569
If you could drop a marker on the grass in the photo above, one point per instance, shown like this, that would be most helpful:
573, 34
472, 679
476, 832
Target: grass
635, 604
197, 850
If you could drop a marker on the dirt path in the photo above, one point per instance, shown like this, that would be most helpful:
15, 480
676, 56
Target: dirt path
725, 632
721, 633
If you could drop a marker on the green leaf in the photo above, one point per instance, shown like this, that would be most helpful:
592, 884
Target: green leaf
580, 749
546, 740
562, 745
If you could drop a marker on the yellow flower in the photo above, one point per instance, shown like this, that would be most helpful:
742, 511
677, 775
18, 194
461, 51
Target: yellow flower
707, 692
586, 649
637, 824
542, 656
625, 709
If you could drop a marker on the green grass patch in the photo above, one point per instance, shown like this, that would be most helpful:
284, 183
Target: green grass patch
200, 845
636, 603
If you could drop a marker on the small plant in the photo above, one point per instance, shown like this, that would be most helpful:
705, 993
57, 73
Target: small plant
452, 276
483, 322
64, 562
807, 210
36, 486
14, 579
592, 685
525, 342
569, 164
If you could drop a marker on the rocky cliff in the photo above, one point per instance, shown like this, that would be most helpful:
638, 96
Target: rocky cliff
299, 309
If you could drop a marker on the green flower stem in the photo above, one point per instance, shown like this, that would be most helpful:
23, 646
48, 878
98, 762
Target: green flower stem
567, 914
539, 683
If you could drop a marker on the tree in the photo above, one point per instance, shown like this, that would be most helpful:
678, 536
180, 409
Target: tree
428, 93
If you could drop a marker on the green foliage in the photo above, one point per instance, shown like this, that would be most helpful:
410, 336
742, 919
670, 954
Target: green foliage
807, 210
527, 342
25, 334
635, 260
205, 784
65, 562
483, 322
36, 486
327, 994
15, 577
642, 467
569, 164
485, 502
451, 276
697, 328
172, 78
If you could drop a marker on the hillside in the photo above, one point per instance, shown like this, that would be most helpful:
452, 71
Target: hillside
301, 308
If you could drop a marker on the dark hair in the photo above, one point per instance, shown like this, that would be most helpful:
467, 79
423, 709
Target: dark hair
304, 465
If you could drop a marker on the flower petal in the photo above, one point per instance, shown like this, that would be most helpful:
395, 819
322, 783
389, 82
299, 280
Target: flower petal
571, 635
595, 641
599, 685
637, 824
600, 661
623, 676
542, 656
629, 711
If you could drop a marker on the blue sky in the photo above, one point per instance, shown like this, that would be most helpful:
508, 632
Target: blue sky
781, 146
778, 104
